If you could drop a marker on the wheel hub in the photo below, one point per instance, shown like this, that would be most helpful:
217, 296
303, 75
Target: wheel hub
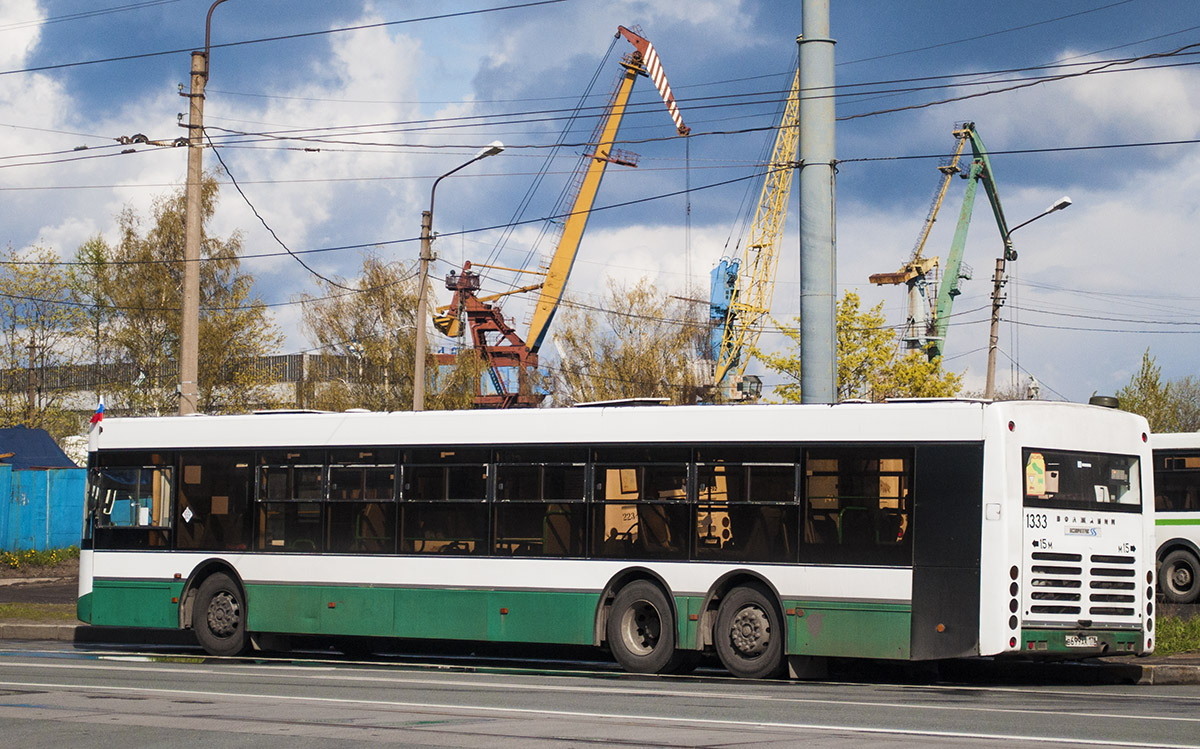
750, 631
641, 628
224, 615
1181, 577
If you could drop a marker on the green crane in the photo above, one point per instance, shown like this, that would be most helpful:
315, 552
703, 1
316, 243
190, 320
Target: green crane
980, 171
930, 302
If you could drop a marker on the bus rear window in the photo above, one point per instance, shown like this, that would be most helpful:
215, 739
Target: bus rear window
1086, 481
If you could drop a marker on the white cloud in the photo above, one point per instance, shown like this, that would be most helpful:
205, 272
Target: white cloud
21, 40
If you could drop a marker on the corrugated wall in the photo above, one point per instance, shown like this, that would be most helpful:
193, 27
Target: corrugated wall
41, 508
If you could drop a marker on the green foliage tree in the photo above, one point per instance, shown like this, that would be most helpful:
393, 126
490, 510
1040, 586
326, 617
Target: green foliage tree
868, 365
1169, 406
37, 328
368, 332
135, 291
1148, 395
639, 344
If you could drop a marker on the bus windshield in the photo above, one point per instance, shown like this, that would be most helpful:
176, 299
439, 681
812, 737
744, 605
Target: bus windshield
1081, 481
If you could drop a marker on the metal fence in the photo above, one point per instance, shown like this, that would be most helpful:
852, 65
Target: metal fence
41, 508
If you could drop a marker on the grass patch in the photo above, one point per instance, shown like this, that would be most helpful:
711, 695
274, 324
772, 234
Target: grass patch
52, 613
1177, 635
20, 560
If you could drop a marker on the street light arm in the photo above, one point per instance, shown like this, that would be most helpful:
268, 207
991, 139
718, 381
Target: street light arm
208, 26
1059, 204
494, 148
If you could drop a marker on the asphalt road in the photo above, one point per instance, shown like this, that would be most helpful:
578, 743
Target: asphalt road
52, 697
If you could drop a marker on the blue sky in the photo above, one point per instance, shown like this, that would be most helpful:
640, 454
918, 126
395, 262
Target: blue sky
1095, 285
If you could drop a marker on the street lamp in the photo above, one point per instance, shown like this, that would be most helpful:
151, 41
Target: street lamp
998, 301
426, 255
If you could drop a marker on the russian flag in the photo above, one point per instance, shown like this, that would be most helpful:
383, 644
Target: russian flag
99, 415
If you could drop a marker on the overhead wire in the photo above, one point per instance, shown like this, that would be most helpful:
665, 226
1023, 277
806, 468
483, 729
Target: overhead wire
84, 15
281, 37
977, 37
298, 134
267, 226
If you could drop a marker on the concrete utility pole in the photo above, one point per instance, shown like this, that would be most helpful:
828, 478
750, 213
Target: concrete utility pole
189, 333
423, 272
818, 257
32, 347
998, 282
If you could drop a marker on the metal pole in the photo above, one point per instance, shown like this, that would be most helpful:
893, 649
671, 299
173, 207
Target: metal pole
818, 259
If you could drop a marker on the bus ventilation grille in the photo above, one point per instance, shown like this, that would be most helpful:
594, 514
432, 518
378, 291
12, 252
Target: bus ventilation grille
1057, 585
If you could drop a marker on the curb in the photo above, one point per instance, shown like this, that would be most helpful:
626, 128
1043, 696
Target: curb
1162, 674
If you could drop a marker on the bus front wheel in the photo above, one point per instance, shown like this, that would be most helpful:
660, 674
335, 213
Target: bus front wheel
219, 616
1178, 576
641, 629
749, 634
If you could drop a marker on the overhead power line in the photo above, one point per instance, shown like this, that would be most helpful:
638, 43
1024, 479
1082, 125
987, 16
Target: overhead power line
342, 133
977, 37
282, 37
84, 15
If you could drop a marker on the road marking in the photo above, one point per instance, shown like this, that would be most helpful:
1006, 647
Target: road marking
626, 691
571, 714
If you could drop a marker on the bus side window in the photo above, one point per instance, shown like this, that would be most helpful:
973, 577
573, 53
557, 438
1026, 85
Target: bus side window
856, 505
214, 501
131, 505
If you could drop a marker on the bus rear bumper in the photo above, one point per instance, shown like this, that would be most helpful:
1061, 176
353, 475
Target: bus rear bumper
1081, 643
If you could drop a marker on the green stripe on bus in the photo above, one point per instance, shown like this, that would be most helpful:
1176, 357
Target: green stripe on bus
826, 628
83, 608
125, 603
857, 629
426, 613
1177, 521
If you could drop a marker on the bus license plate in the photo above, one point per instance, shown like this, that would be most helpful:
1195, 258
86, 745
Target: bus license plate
1082, 641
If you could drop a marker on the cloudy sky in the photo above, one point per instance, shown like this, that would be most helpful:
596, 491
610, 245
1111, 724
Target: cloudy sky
336, 138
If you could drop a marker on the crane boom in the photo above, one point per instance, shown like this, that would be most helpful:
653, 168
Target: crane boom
980, 171
749, 303
644, 61
929, 315
507, 358
919, 273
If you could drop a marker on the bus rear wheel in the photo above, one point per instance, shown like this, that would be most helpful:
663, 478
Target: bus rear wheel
1178, 576
641, 629
219, 616
749, 634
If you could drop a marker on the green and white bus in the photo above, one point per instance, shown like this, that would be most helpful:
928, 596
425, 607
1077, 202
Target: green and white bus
770, 535
1177, 503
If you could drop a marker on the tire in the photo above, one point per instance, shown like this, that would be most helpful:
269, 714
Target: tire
219, 617
1179, 576
749, 634
641, 629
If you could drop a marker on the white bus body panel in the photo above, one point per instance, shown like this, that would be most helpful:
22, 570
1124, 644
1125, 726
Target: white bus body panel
1006, 542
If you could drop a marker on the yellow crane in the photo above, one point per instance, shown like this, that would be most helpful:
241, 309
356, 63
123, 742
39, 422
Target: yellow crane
496, 342
743, 287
